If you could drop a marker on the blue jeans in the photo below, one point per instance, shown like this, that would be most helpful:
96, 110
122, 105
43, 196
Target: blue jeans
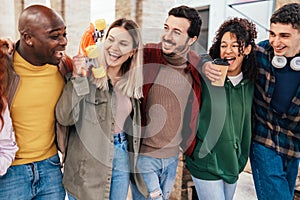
39, 180
274, 175
214, 189
121, 170
159, 176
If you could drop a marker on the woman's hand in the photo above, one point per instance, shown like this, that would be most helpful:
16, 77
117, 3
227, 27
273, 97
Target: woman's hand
80, 67
6, 43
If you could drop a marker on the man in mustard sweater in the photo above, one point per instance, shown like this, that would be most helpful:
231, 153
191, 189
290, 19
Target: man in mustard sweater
35, 84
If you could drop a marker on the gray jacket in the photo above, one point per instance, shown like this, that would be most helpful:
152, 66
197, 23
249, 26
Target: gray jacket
89, 113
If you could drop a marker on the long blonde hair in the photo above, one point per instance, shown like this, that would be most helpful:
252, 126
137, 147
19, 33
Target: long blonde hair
131, 81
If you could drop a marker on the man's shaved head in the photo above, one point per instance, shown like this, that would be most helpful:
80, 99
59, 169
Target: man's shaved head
36, 16
42, 35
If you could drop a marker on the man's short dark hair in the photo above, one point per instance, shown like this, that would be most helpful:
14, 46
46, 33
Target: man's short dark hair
192, 15
287, 14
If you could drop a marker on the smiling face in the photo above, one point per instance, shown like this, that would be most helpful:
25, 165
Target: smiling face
284, 39
174, 35
43, 36
49, 44
118, 47
229, 50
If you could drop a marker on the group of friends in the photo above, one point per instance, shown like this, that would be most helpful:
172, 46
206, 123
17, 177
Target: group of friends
127, 127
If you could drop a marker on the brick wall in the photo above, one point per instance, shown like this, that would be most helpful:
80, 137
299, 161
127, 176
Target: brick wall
142, 12
58, 6
153, 18
184, 186
123, 9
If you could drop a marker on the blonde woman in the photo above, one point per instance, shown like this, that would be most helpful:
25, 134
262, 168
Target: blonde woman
104, 115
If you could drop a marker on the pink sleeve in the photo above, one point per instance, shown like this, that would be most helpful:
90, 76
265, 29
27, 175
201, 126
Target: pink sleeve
8, 146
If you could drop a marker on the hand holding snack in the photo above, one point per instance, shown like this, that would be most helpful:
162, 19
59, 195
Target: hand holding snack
79, 68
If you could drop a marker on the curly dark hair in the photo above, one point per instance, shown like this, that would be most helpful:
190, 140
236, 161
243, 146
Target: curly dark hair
287, 14
245, 32
192, 15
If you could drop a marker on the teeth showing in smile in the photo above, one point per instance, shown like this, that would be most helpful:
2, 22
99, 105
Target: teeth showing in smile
230, 60
167, 44
279, 48
59, 53
114, 56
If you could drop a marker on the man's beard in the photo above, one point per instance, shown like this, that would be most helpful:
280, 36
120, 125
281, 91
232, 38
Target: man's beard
178, 50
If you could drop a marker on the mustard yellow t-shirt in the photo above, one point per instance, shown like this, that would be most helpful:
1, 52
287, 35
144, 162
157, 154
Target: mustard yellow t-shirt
33, 108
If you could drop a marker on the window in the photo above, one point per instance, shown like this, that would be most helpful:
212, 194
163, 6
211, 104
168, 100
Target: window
201, 45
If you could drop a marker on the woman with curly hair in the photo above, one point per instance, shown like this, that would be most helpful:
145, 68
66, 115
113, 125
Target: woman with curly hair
8, 146
224, 126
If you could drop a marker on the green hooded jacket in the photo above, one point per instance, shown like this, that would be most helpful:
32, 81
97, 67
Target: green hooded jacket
224, 132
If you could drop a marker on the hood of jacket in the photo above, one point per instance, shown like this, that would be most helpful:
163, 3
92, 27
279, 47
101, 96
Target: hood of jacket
224, 131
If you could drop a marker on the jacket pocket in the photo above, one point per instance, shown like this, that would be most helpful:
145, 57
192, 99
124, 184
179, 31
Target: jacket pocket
224, 159
95, 109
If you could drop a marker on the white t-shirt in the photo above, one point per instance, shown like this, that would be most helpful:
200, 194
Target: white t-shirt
235, 80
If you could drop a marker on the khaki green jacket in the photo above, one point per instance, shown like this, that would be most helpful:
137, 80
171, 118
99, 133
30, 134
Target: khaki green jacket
89, 113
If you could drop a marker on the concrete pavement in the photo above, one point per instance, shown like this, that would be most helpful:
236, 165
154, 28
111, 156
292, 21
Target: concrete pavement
245, 188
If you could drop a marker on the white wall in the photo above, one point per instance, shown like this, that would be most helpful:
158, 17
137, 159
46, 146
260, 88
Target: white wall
259, 12
7, 25
42, 2
9, 16
77, 19
103, 9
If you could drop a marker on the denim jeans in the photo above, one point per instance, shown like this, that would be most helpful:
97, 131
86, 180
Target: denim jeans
159, 176
274, 175
214, 189
38, 180
121, 169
